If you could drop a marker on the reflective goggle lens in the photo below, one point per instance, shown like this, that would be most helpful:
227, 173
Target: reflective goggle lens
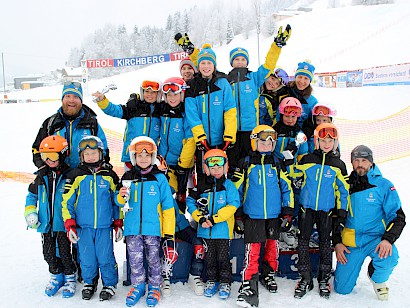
88, 143
265, 135
76, 84
327, 132
176, 88
50, 156
215, 161
142, 146
153, 85
321, 110
292, 111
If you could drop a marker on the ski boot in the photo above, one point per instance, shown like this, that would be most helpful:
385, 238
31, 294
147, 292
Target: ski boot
196, 284
69, 285
268, 278
106, 293
211, 288
224, 290
289, 237
166, 287
248, 294
89, 290
381, 290
304, 285
55, 283
154, 294
324, 286
135, 294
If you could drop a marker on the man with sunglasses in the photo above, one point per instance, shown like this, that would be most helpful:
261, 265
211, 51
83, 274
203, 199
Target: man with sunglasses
375, 221
72, 121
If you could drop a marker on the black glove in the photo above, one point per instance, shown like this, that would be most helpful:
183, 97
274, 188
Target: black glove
239, 227
339, 222
184, 43
291, 147
227, 145
286, 224
202, 206
288, 162
181, 201
182, 175
282, 37
203, 145
297, 183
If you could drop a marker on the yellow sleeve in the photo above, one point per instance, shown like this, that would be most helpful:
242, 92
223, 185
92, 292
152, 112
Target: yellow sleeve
272, 57
224, 213
199, 133
168, 220
196, 215
194, 56
186, 158
104, 103
230, 125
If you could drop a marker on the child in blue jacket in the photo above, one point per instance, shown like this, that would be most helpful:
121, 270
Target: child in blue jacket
213, 203
43, 212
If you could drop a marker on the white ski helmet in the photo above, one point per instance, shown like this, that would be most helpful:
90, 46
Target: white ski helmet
140, 144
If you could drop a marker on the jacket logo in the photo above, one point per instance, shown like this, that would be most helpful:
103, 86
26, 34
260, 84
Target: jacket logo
217, 102
248, 89
328, 174
176, 128
102, 184
370, 198
152, 191
220, 200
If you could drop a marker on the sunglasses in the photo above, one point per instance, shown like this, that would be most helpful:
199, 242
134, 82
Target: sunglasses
327, 132
215, 161
265, 135
147, 84
88, 143
51, 156
143, 146
292, 111
76, 84
321, 110
174, 87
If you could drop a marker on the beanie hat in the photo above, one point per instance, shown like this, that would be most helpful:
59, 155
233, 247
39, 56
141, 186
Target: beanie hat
207, 54
305, 69
187, 61
73, 88
238, 52
362, 151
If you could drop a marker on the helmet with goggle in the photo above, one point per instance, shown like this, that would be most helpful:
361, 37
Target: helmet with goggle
215, 157
54, 148
142, 144
325, 110
90, 142
263, 132
152, 84
326, 130
290, 106
281, 75
175, 85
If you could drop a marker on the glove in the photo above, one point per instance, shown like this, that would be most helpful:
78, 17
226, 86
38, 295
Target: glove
119, 233
228, 145
202, 205
184, 43
70, 226
339, 222
297, 183
286, 223
292, 147
203, 145
31, 216
239, 227
282, 37
300, 139
182, 175
181, 201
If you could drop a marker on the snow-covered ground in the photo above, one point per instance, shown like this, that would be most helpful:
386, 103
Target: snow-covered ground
345, 38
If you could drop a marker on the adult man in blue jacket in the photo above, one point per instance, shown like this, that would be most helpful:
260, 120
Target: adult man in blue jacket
375, 221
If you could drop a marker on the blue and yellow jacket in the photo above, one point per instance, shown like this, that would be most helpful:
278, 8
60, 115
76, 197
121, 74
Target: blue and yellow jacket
177, 144
324, 181
46, 194
89, 197
375, 210
286, 135
223, 201
142, 120
210, 110
264, 187
152, 204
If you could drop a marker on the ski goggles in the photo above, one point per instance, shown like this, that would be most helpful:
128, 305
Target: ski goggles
281, 75
292, 111
88, 143
148, 84
53, 156
327, 132
321, 110
265, 135
76, 84
143, 146
215, 161
174, 87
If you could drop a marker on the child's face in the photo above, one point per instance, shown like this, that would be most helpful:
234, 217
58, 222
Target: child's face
272, 83
290, 120
150, 96
217, 171
302, 82
322, 119
187, 72
206, 68
264, 145
239, 62
327, 144
173, 99
143, 160
91, 155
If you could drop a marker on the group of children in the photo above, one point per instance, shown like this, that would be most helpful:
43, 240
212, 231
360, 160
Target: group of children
249, 176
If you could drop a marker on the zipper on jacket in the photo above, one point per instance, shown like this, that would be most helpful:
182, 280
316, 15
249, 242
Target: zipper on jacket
95, 200
142, 195
239, 104
52, 200
264, 186
320, 181
212, 207
209, 113
166, 132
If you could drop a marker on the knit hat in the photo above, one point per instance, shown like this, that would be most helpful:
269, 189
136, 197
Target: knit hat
207, 54
187, 61
238, 52
305, 69
73, 88
362, 151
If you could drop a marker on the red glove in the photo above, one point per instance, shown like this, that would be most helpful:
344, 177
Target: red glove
118, 224
203, 145
70, 226
228, 145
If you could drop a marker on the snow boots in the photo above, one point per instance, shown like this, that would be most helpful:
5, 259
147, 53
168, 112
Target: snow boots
135, 294
248, 294
55, 283
69, 285
304, 285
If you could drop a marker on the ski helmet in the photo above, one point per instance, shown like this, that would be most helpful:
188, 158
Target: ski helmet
154, 85
91, 142
326, 130
54, 148
174, 84
290, 106
141, 144
281, 75
322, 109
215, 157
263, 132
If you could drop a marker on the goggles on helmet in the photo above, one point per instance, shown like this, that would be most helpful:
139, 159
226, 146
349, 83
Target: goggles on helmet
215, 161
327, 132
174, 87
76, 84
321, 110
53, 156
153, 85
281, 75
265, 135
292, 111
88, 143
143, 146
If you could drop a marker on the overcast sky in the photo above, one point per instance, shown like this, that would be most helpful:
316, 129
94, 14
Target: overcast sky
36, 36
